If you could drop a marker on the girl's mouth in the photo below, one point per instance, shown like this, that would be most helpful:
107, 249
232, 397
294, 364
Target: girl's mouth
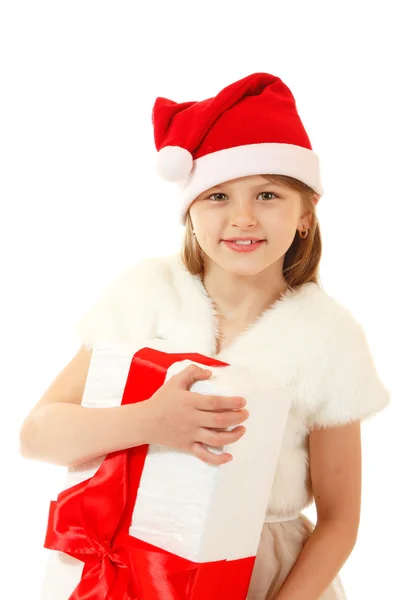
248, 246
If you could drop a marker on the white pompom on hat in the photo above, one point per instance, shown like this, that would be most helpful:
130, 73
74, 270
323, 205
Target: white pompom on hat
251, 127
174, 163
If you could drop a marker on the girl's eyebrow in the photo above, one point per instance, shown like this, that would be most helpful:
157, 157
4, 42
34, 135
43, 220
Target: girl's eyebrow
254, 187
268, 184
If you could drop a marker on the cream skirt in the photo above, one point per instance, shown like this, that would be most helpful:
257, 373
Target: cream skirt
280, 546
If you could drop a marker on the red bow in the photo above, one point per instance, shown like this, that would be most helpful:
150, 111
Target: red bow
90, 521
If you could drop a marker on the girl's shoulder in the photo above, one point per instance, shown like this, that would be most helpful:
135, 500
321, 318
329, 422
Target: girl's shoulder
310, 313
127, 306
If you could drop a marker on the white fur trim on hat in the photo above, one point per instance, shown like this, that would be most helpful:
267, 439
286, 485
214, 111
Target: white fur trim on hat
253, 159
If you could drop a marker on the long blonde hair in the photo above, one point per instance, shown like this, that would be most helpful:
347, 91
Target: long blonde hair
301, 263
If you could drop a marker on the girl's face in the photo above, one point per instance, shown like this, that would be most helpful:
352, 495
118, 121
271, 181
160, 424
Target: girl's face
247, 207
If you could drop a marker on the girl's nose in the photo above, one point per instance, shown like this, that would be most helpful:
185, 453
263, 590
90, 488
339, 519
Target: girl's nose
242, 215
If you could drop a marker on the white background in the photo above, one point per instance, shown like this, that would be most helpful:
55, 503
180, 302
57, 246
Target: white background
80, 201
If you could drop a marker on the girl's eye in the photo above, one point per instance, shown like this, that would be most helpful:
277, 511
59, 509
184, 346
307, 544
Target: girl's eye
217, 194
271, 193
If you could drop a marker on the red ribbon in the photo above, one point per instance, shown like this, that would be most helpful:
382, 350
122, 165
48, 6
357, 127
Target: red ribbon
90, 521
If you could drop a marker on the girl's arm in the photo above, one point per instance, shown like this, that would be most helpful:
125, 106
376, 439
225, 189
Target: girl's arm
335, 467
61, 431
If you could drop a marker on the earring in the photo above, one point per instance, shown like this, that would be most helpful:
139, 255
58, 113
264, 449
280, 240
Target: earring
304, 233
193, 233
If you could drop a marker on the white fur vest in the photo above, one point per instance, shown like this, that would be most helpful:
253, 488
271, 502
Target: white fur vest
307, 338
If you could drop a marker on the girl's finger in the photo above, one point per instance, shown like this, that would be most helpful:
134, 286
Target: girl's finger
210, 457
217, 439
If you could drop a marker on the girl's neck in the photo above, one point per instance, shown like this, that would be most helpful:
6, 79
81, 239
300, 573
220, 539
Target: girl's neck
242, 300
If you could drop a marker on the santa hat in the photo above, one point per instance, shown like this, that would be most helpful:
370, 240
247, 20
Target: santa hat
251, 127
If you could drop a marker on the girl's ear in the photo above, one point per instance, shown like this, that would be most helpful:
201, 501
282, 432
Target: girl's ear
316, 198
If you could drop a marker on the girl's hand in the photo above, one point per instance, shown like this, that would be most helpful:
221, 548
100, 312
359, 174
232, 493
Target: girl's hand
186, 420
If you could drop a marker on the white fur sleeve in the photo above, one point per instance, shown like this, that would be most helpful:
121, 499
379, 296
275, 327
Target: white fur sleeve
350, 387
122, 311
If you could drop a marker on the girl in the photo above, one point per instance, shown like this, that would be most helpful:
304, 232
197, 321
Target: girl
245, 289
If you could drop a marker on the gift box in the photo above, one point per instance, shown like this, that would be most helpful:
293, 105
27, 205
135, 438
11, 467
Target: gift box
154, 523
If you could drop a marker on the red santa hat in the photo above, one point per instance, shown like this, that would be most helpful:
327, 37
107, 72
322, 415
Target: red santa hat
251, 127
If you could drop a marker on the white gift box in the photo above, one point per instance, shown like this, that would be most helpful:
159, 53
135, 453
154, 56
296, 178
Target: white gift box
192, 509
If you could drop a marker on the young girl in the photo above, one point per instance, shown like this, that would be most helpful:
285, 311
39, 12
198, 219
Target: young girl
245, 289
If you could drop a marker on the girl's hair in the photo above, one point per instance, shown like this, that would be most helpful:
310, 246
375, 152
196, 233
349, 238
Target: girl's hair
302, 259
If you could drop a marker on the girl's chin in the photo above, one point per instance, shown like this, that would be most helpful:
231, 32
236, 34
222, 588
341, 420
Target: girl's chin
246, 268
241, 263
